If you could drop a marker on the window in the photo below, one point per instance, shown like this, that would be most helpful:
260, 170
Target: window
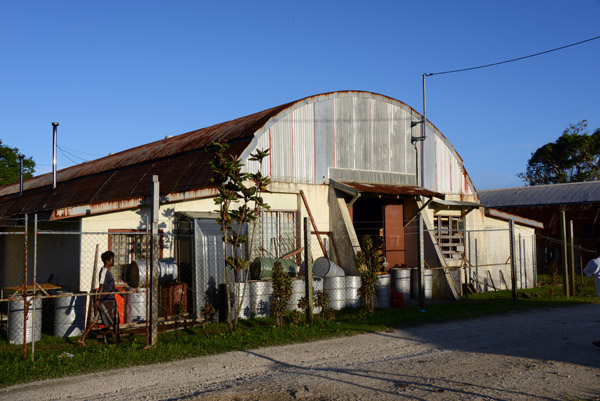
273, 235
129, 246
449, 231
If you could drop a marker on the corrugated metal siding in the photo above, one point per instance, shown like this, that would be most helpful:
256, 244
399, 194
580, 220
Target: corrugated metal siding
304, 144
324, 139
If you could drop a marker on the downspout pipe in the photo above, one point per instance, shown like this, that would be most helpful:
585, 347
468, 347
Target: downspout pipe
54, 126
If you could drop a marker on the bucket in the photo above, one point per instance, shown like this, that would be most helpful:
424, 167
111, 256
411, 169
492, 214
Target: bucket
261, 295
382, 290
262, 268
401, 282
352, 291
135, 305
69, 315
16, 308
323, 267
427, 282
335, 287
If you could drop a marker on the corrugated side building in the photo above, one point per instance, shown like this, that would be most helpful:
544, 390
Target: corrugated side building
352, 154
544, 203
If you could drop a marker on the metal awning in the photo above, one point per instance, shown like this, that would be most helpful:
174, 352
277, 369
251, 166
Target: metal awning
463, 206
355, 188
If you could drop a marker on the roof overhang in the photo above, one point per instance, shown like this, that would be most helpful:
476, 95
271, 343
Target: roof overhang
517, 219
400, 191
463, 206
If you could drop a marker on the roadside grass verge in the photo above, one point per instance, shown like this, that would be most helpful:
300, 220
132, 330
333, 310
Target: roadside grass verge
57, 357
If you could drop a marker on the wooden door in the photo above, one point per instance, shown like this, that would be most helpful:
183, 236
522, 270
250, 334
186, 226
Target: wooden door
395, 250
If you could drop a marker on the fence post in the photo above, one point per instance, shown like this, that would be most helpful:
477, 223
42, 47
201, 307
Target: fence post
572, 256
421, 265
154, 260
308, 279
513, 273
25, 305
565, 259
33, 320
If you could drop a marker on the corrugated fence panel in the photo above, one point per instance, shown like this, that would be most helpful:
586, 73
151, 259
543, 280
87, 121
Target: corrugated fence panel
324, 139
304, 143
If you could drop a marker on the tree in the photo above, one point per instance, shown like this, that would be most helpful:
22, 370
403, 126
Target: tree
244, 189
10, 168
573, 157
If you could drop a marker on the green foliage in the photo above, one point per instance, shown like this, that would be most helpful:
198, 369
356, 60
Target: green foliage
207, 311
573, 157
368, 263
10, 168
244, 190
282, 292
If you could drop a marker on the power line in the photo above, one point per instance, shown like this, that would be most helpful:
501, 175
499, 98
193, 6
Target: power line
514, 59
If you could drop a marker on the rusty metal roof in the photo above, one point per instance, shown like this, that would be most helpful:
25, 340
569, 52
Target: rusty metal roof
389, 189
179, 161
570, 193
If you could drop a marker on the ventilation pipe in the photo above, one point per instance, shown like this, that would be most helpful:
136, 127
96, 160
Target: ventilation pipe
54, 125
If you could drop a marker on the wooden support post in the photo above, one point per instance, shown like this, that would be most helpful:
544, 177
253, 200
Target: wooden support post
308, 277
154, 262
565, 259
314, 225
572, 257
513, 271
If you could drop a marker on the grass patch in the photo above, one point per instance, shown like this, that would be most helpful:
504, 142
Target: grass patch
57, 357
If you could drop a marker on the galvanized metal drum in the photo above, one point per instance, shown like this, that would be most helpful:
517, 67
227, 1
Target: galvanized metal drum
261, 295
335, 287
262, 268
242, 291
352, 291
401, 281
135, 305
427, 282
323, 267
69, 314
139, 272
383, 290
16, 309
298, 291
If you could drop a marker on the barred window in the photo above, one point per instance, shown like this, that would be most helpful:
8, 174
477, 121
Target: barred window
449, 231
273, 234
129, 246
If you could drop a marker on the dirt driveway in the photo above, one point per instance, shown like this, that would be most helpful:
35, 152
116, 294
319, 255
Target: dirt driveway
540, 355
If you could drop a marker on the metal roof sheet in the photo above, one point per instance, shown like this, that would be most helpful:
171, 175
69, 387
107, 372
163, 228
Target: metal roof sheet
388, 189
577, 192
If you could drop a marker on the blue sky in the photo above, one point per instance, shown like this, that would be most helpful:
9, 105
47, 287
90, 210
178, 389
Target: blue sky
116, 75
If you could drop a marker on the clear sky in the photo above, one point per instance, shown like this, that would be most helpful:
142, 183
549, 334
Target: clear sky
119, 74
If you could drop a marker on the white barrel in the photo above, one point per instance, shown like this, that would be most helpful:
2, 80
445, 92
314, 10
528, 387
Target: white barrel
135, 305
243, 296
298, 291
261, 295
352, 291
317, 286
383, 290
69, 315
335, 287
427, 282
16, 309
323, 267
401, 281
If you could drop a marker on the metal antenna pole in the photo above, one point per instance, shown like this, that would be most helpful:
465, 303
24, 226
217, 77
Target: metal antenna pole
54, 125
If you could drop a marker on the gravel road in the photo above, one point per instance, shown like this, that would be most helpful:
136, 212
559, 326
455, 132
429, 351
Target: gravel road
541, 355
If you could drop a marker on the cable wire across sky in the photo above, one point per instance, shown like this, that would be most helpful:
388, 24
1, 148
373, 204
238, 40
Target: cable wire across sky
513, 59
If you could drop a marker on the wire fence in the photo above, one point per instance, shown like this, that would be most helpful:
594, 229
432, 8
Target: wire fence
49, 276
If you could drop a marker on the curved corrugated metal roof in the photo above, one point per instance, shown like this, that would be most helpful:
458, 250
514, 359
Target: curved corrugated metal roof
180, 162
576, 192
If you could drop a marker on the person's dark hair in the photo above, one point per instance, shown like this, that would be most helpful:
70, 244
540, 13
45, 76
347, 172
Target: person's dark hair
107, 255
